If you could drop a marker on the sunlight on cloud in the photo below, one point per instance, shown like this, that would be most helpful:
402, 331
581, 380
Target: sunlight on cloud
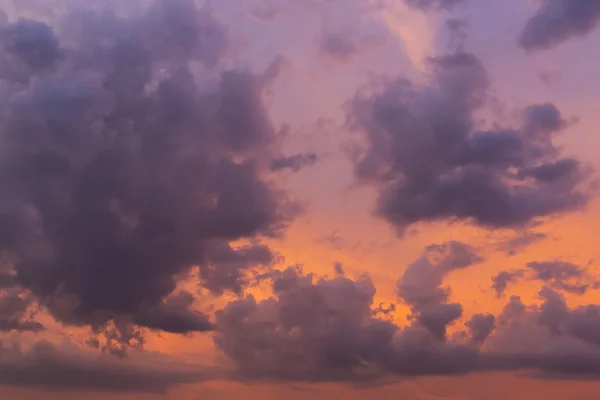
413, 29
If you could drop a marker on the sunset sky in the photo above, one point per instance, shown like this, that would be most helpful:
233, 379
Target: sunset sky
290, 199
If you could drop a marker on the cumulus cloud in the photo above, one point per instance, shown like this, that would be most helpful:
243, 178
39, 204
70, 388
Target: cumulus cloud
420, 286
422, 150
557, 21
131, 156
328, 329
127, 159
481, 326
324, 330
550, 338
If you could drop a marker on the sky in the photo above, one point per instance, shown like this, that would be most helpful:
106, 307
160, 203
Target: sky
265, 199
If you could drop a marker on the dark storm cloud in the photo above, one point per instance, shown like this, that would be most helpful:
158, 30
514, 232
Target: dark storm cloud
427, 5
424, 153
420, 286
557, 21
119, 171
175, 314
16, 313
47, 367
295, 162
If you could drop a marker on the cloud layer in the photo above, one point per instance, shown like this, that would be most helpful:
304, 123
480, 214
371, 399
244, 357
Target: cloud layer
142, 181
323, 329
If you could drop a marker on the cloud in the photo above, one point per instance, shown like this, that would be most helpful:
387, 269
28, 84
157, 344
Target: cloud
50, 367
563, 276
295, 162
550, 76
338, 269
420, 286
16, 313
481, 326
558, 275
518, 243
557, 21
175, 314
325, 330
343, 45
428, 5
313, 331
457, 32
501, 280
551, 338
422, 150
337, 45
27, 48
121, 170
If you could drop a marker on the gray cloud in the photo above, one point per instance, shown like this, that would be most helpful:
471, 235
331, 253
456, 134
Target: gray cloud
564, 276
457, 32
314, 331
16, 313
424, 154
558, 275
501, 280
428, 5
325, 330
295, 162
420, 286
551, 338
557, 21
518, 243
338, 45
481, 326
175, 314
120, 171
27, 48
45, 366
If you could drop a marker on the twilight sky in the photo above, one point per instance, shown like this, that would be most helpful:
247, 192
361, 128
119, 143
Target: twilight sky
265, 199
